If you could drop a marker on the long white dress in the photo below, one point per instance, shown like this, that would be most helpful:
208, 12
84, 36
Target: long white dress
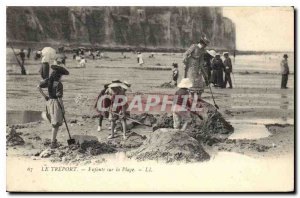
140, 57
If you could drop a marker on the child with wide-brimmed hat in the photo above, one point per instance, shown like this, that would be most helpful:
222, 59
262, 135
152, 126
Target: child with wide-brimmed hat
54, 107
181, 111
117, 89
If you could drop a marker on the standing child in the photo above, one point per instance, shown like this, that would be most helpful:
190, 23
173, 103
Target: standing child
175, 73
54, 107
105, 103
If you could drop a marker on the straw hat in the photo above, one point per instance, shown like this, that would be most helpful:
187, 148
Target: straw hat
127, 83
117, 83
60, 69
185, 83
211, 52
225, 53
204, 40
218, 54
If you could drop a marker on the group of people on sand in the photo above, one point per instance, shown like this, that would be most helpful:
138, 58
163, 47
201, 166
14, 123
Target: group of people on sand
204, 67
201, 67
55, 109
218, 71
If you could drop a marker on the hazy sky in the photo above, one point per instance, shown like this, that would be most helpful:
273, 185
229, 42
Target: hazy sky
263, 28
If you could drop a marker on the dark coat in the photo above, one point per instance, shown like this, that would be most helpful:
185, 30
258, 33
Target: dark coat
217, 75
227, 65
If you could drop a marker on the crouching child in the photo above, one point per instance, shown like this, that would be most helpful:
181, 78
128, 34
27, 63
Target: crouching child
181, 111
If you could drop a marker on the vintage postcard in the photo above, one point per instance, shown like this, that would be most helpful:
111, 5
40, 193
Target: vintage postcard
150, 99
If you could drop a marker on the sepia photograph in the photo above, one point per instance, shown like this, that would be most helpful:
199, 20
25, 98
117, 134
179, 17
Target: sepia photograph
150, 99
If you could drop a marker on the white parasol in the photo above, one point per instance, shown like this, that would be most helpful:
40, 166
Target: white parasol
48, 54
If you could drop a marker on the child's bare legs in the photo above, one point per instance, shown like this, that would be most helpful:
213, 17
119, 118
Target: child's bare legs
54, 134
100, 123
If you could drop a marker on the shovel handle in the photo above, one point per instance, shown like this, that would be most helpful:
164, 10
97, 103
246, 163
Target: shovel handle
64, 118
128, 118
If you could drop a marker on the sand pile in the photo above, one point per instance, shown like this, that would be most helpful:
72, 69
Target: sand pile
170, 145
13, 138
211, 127
163, 121
95, 148
167, 85
148, 119
133, 140
76, 153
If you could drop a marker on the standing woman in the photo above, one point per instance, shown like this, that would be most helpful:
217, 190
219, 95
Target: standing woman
140, 58
217, 75
207, 65
194, 62
54, 107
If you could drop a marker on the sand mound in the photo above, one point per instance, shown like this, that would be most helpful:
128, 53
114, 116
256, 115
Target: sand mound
133, 140
167, 85
95, 148
76, 153
211, 127
170, 145
13, 138
163, 121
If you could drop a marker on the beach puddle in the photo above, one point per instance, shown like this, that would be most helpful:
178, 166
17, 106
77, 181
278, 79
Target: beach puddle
263, 121
254, 128
22, 117
249, 131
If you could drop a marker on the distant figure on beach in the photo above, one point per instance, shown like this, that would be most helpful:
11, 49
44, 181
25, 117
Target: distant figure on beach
217, 74
284, 71
22, 56
82, 62
194, 62
38, 55
207, 65
152, 55
140, 59
92, 54
175, 73
227, 69
28, 52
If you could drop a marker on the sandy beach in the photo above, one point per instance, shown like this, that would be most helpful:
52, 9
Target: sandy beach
261, 114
